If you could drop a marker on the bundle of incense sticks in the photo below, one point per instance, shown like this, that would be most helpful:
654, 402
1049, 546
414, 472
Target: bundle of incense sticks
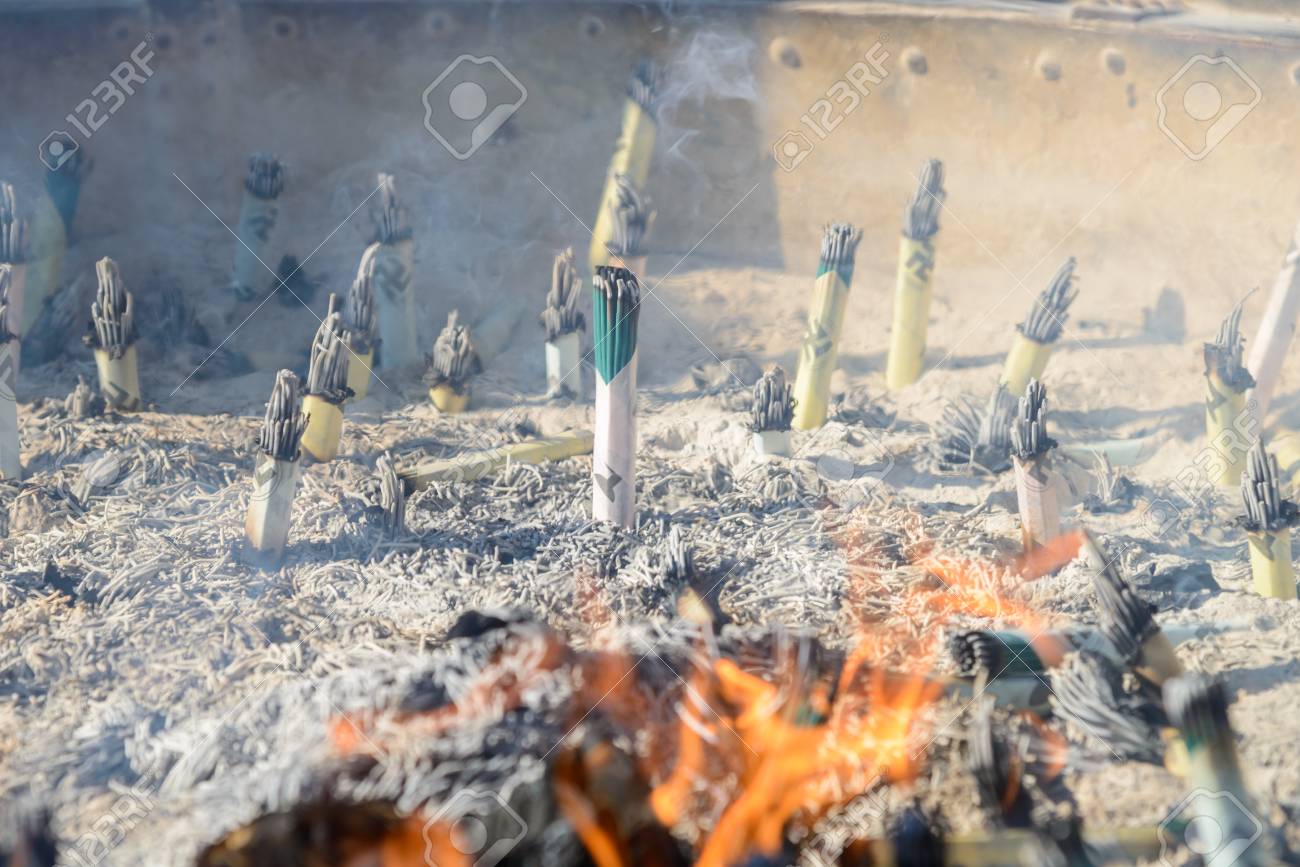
64, 187
392, 495
49, 222
476, 464
13, 252
1036, 487
968, 437
327, 386
113, 337
451, 365
1275, 329
359, 320
1088, 690
915, 273
11, 465
629, 224
259, 211
1286, 445
1017, 653
1198, 708
998, 772
772, 413
820, 348
631, 155
1268, 522
564, 324
1226, 383
1127, 621
1041, 329
275, 475
392, 270
616, 302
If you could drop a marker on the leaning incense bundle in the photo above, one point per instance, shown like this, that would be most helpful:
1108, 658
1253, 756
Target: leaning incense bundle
275, 476
631, 157
1031, 451
970, 438
112, 337
915, 272
392, 271
451, 365
11, 466
13, 252
1088, 690
616, 301
564, 324
1226, 382
1127, 621
359, 320
1198, 708
629, 224
817, 357
327, 386
259, 210
771, 414
1014, 653
1276, 328
1268, 522
1041, 329
474, 465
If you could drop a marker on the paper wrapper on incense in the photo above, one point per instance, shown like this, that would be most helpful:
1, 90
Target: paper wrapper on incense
11, 465
563, 360
1223, 406
820, 350
119, 379
1270, 563
467, 467
632, 153
395, 304
1037, 496
48, 242
360, 365
614, 453
911, 312
257, 219
324, 427
269, 510
772, 442
1027, 360
447, 399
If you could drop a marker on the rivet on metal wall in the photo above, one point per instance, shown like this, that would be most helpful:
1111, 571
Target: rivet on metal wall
914, 60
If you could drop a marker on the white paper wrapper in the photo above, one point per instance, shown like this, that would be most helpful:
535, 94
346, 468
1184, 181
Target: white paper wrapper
269, 510
613, 460
772, 442
1036, 494
563, 365
395, 305
11, 466
257, 219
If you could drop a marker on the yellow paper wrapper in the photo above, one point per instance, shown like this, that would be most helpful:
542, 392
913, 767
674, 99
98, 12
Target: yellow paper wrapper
911, 313
1270, 563
632, 153
1027, 360
1223, 406
448, 400
360, 365
819, 352
119, 379
324, 427
467, 467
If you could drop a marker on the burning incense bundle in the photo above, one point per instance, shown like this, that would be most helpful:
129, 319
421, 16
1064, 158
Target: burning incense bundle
258, 212
812, 383
1226, 382
11, 465
450, 367
1276, 329
474, 465
112, 337
616, 301
631, 155
1198, 708
1005, 653
327, 386
915, 271
392, 270
1040, 512
1088, 690
275, 476
629, 225
1127, 620
998, 771
772, 412
13, 252
1268, 522
1041, 329
359, 320
564, 324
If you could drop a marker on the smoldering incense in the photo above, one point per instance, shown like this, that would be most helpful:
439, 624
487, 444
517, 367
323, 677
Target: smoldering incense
454, 360
391, 225
643, 88
280, 436
631, 157
1047, 317
1226, 382
616, 301
1036, 496
275, 476
1268, 522
113, 311
679, 558
562, 315
13, 229
1001, 654
912, 286
998, 772
630, 219
773, 407
362, 324
1029, 437
922, 219
327, 372
968, 437
258, 213
265, 178
1088, 691
818, 354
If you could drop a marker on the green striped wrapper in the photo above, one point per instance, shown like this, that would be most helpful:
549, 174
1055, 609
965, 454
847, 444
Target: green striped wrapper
616, 300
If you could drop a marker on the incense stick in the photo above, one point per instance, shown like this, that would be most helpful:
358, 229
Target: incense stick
564, 323
259, 211
998, 772
1036, 488
474, 465
1276, 328
327, 386
629, 224
631, 157
912, 291
451, 365
11, 465
970, 437
616, 301
1268, 522
772, 413
392, 268
1127, 620
1226, 382
275, 476
363, 328
1088, 690
825, 320
113, 337
1041, 329
392, 495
